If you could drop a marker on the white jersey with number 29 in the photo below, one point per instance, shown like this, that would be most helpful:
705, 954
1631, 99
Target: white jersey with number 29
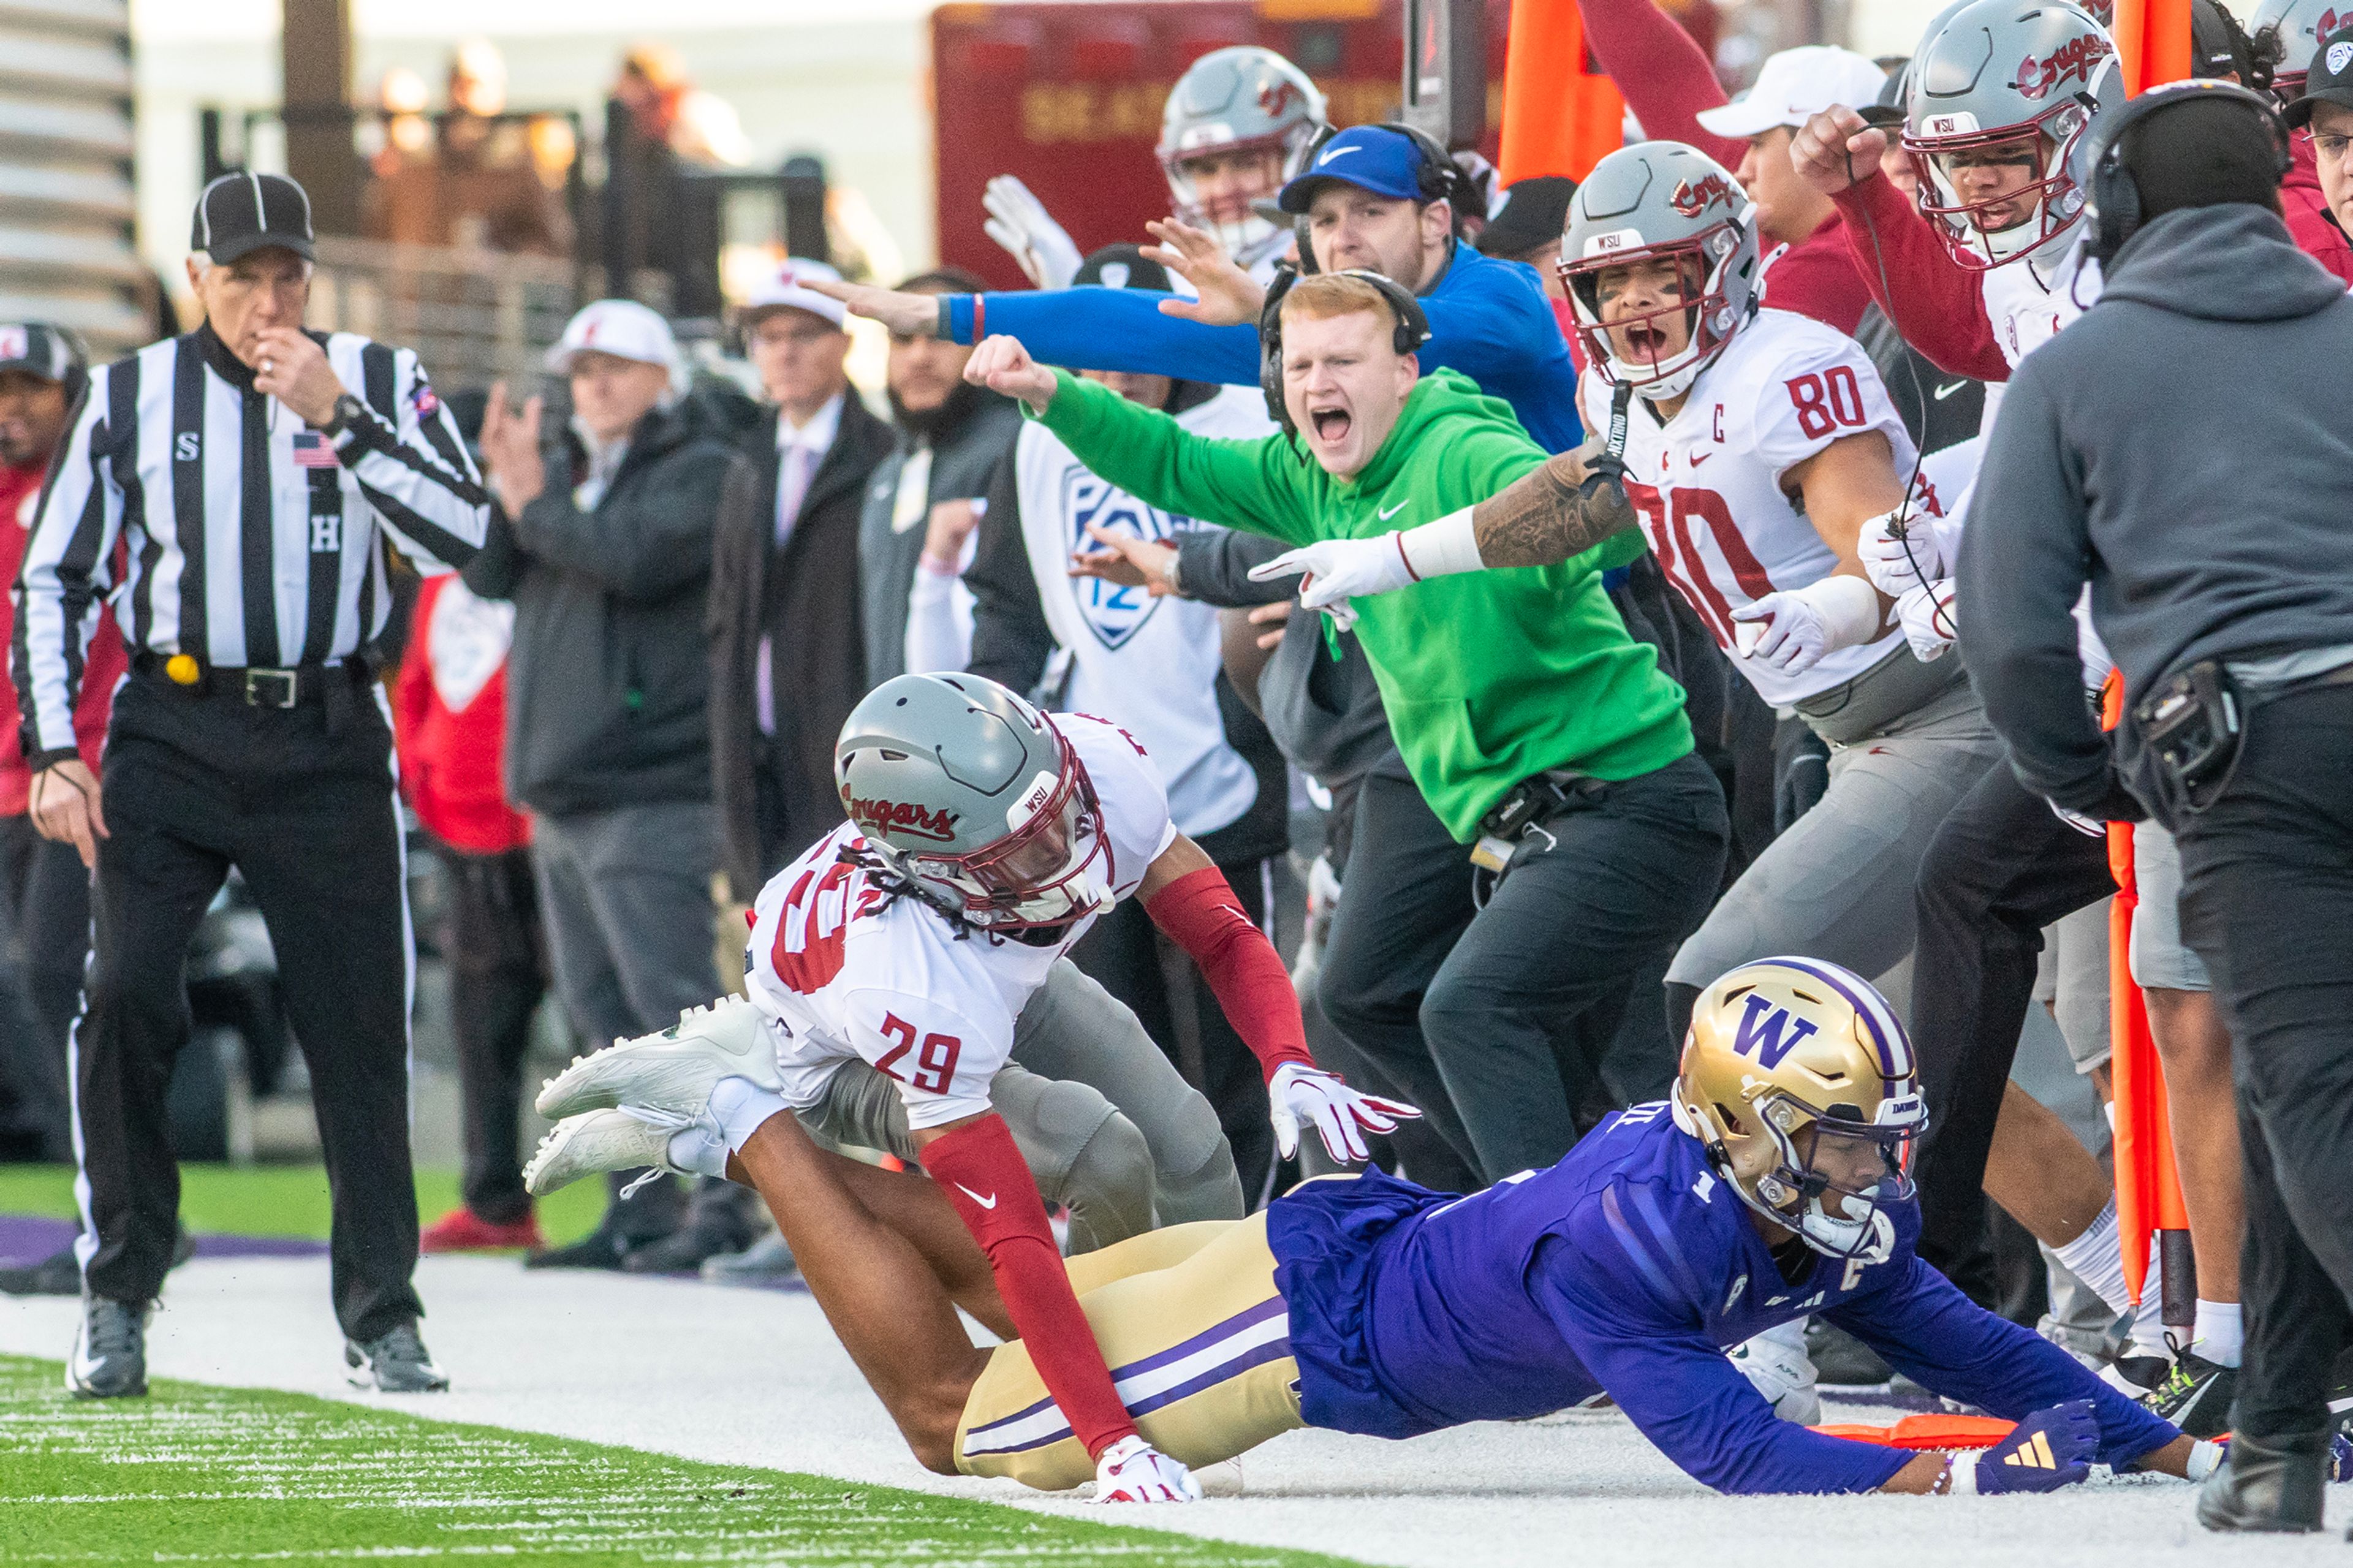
843, 970
1707, 483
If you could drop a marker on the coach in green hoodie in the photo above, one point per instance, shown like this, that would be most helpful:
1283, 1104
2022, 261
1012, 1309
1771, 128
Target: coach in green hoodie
1540, 732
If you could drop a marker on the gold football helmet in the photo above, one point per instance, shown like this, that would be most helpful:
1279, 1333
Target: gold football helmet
1801, 1083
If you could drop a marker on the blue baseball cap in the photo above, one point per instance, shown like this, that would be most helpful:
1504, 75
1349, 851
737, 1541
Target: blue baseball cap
1385, 162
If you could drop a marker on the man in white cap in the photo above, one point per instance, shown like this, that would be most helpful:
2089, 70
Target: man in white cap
788, 662
603, 540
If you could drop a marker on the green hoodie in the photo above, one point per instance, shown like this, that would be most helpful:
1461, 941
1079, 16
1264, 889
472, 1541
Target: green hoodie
1490, 676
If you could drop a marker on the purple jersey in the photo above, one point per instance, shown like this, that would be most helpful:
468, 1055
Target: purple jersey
1629, 1269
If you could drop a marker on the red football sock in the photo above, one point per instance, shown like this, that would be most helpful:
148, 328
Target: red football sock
984, 1175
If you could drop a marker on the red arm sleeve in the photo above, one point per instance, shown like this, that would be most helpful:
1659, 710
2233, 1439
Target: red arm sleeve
1941, 311
1201, 915
1664, 75
984, 1175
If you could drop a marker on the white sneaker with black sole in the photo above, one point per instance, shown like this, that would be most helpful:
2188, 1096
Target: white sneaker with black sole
671, 1069
109, 1352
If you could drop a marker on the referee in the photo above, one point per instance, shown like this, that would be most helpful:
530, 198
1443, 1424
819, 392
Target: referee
227, 492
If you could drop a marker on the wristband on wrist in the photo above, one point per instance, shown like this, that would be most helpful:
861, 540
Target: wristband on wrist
1443, 548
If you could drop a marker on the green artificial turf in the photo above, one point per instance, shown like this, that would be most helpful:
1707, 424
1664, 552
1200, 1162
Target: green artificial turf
196, 1474
282, 1200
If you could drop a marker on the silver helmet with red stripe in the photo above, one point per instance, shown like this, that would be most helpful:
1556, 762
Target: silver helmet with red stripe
1671, 210
972, 797
2298, 27
1800, 1081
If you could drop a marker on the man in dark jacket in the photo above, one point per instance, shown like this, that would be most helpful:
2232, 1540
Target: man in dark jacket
605, 547
2220, 569
787, 651
922, 501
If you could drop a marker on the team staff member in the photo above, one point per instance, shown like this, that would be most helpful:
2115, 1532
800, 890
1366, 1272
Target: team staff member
250, 467
1551, 735
2238, 670
1374, 198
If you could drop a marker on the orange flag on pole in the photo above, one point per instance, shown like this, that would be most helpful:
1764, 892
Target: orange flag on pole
1560, 116
2148, 1188
2152, 42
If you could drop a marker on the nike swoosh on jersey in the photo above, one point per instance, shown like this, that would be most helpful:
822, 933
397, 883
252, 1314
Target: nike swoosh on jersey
1948, 390
987, 1202
1388, 512
1699, 458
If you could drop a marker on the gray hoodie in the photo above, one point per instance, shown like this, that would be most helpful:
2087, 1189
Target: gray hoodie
2185, 447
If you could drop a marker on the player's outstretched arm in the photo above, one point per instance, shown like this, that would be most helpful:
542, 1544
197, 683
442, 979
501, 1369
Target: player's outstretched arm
1187, 897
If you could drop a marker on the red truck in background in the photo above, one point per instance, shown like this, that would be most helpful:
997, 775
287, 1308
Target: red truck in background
1068, 97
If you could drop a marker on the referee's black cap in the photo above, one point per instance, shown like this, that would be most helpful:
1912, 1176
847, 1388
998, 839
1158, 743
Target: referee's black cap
242, 213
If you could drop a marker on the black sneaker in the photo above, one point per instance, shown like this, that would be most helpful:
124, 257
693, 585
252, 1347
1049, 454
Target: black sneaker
600, 1249
110, 1353
395, 1361
2267, 1484
683, 1252
59, 1274
2196, 1395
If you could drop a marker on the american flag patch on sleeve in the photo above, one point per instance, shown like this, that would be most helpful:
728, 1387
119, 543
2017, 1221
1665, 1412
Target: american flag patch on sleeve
314, 451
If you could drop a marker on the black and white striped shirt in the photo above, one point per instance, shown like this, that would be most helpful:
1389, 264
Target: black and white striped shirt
250, 540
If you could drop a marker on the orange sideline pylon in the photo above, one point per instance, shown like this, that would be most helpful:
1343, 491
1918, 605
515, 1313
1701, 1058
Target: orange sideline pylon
1558, 117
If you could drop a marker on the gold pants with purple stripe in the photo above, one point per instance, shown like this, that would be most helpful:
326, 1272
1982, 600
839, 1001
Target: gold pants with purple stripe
1198, 1343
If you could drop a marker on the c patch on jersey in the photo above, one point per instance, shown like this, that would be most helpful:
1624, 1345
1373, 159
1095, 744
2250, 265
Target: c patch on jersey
1112, 610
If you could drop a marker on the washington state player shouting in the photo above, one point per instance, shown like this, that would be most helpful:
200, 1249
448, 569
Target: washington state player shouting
984, 839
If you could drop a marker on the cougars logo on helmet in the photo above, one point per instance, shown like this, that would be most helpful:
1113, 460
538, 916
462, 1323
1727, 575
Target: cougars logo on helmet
903, 816
2075, 57
1690, 200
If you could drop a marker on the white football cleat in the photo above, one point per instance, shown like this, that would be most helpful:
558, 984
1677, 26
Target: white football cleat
1132, 1471
1777, 1366
595, 1142
671, 1069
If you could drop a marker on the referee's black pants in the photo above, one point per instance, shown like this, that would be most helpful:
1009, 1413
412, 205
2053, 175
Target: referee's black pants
300, 800
2267, 901
2001, 868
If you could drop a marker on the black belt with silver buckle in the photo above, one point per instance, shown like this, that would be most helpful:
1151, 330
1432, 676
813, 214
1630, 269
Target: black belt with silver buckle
255, 686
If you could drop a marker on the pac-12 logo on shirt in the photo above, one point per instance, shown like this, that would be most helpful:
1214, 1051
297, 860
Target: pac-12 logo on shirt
1113, 612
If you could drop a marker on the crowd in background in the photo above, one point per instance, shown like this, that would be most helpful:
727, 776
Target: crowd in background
617, 720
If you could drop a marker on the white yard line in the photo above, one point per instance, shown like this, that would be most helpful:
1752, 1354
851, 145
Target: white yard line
755, 1377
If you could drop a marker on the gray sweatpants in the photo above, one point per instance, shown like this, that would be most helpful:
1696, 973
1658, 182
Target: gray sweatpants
1105, 1123
1837, 885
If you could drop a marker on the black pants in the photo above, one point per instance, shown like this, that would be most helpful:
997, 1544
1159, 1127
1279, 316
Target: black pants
1493, 1020
498, 972
2267, 901
45, 928
1170, 997
301, 802
2001, 868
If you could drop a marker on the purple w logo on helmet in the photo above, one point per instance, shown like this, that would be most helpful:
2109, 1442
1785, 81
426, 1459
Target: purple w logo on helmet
1770, 1032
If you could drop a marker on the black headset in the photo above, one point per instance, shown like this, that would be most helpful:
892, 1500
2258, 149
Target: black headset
1412, 331
2114, 193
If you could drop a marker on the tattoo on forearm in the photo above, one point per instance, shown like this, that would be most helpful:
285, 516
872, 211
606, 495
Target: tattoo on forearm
1547, 517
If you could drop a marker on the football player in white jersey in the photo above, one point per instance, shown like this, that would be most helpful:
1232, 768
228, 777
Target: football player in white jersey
984, 839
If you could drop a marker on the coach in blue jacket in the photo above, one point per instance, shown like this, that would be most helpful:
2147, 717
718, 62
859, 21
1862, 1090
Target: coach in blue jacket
1371, 200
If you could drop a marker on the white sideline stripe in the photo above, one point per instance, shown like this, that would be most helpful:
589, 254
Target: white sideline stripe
1049, 1422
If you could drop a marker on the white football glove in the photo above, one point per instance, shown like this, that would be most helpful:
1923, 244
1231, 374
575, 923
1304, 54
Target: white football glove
1926, 617
1793, 636
1777, 1366
1021, 223
1132, 1471
1897, 565
1340, 1115
1339, 570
